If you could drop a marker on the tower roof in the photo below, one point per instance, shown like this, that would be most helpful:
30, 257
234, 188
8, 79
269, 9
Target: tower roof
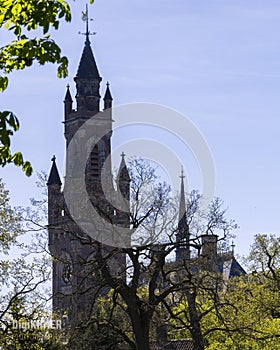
54, 178
123, 173
68, 96
108, 95
87, 67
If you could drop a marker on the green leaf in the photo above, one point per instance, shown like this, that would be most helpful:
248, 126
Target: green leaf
13, 122
16, 9
3, 82
18, 159
27, 168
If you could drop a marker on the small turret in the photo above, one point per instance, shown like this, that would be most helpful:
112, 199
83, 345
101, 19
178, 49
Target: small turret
54, 178
123, 185
54, 194
67, 103
124, 179
209, 253
209, 245
107, 98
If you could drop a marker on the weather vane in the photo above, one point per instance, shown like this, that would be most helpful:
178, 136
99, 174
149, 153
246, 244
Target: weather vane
85, 18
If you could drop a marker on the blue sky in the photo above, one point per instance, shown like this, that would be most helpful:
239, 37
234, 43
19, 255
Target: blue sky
216, 62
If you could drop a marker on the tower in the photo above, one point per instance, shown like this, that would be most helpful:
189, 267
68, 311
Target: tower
74, 284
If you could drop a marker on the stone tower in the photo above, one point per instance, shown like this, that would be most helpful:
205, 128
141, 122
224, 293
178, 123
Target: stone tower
74, 285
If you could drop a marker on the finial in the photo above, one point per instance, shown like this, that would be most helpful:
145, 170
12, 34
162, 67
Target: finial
53, 158
182, 176
123, 155
67, 86
85, 18
232, 247
107, 84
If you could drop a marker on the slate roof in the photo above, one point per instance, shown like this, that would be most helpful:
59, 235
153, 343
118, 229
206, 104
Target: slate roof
229, 266
123, 173
108, 95
68, 96
54, 178
87, 67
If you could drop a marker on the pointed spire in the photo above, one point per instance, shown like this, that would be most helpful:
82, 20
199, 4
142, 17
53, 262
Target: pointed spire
67, 103
108, 96
108, 99
87, 67
182, 206
54, 178
183, 235
123, 180
123, 174
232, 247
68, 96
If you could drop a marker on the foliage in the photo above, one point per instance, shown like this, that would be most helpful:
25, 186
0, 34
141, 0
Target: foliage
247, 321
245, 314
105, 329
21, 18
265, 257
23, 329
23, 274
9, 222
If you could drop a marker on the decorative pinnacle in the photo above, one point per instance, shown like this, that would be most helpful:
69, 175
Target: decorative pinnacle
123, 155
232, 247
53, 158
85, 18
107, 84
67, 86
182, 176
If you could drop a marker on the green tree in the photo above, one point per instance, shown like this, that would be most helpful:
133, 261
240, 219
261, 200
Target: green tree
23, 18
246, 321
245, 314
30, 22
24, 274
265, 258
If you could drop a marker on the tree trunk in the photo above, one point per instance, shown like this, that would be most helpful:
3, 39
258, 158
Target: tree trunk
142, 338
197, 336
141, 328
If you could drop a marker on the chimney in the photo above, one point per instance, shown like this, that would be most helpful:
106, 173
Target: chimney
209, 251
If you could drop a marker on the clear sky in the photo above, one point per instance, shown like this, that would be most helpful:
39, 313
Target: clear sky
217, 62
